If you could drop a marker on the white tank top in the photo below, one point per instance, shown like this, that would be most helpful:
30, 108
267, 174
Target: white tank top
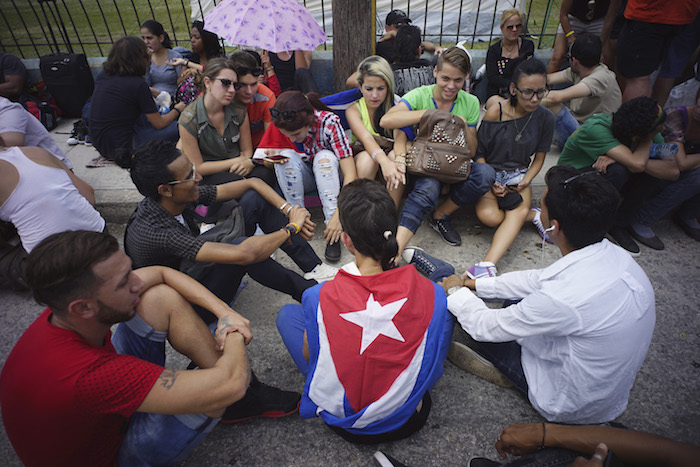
45, 202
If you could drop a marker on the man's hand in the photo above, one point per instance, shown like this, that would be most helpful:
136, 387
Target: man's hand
241, 166
333, 229
232, 322
601, 165
302, 218
519, 439
453, 281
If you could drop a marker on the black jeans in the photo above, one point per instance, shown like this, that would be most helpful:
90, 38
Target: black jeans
223, 281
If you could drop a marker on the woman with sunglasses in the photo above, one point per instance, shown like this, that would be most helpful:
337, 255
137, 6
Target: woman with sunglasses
376, 82
205, 47
325, 161
215, 131
510, 133
503, 56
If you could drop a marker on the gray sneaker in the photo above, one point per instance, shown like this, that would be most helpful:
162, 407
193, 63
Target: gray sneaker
467, 359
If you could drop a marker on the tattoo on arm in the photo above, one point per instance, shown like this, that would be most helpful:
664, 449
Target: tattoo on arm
167, 378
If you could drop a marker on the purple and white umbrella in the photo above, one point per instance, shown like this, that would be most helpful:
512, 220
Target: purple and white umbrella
274, 25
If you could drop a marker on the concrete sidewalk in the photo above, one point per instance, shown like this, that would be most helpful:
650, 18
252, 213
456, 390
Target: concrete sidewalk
468, 413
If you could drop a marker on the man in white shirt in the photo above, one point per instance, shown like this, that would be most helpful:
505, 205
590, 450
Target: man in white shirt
578, 335
594, 88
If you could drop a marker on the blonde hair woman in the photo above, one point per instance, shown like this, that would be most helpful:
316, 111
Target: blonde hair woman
506, 54
376, 80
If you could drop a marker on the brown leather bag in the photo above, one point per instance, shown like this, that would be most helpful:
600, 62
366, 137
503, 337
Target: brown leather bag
440, 150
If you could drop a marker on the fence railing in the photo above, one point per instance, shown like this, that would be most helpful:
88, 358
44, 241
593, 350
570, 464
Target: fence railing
32, 28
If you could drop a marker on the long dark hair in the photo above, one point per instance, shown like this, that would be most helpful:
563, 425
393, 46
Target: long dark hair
368, 215
212, 46
304, 105
157, 29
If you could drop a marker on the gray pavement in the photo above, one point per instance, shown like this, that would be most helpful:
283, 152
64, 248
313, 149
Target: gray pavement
468, 413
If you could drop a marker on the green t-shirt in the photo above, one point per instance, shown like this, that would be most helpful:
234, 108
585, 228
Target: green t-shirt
592, 139
466, 105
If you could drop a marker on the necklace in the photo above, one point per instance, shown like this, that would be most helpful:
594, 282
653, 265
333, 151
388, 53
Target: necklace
520, 132
509, 51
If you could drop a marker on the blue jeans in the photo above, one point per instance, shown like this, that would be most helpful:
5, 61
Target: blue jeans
144, 132
297, 177
291, 326
685, 190
426, 191
564, 125
156, 439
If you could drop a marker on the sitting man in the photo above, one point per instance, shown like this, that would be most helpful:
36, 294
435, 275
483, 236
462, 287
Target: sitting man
450, 73
92, 400
256, 97
386, 46
13, 77
575, 341
162, 231
595, 89
39, 196
20, 128
620, 146
410, 71
682, 127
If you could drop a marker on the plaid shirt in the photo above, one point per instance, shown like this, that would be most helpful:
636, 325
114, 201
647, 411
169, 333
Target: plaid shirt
156, 237
326, 132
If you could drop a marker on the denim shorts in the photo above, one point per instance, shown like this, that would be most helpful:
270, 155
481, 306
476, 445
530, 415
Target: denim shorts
510, 177
156, 439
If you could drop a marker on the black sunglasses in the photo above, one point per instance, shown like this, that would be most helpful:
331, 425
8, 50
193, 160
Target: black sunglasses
514, 26
244, 70
287, 115
225, 82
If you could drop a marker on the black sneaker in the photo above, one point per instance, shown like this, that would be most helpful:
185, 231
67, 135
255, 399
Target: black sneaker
264, 401
624, 239
333, 252
444, 227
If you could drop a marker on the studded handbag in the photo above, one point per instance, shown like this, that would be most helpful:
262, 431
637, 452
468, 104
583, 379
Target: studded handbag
440, 150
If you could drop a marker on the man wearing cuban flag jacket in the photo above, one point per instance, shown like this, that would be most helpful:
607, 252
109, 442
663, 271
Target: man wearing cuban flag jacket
371, 342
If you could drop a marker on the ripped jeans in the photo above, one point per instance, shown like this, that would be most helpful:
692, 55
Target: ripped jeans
298, 176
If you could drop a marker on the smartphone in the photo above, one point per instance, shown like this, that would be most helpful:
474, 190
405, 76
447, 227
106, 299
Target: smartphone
277, 157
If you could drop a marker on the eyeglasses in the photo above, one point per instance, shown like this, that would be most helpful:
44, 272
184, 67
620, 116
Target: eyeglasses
225, 82
191, 177
528, 94
287, 115
566, 182
244, 70
513, 27
568, 56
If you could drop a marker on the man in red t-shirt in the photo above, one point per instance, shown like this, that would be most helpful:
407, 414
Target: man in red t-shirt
92, 400
256, 97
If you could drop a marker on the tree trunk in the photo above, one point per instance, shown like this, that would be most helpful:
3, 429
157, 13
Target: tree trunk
353, 37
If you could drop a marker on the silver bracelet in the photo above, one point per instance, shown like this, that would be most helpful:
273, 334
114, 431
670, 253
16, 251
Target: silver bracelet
282, 207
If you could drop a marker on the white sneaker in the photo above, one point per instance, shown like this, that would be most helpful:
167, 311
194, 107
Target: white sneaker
321, 273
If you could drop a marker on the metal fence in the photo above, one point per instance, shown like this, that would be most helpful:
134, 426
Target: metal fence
32, 28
